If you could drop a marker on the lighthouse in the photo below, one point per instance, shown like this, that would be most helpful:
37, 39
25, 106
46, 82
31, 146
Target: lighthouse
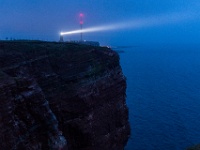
61, 38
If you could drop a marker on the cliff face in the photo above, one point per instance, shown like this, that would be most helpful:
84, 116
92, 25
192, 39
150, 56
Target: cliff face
61, 96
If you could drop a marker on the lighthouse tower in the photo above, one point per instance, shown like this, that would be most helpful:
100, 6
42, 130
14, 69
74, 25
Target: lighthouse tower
61, 38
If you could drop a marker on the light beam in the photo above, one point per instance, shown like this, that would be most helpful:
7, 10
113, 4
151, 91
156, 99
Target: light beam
138, 23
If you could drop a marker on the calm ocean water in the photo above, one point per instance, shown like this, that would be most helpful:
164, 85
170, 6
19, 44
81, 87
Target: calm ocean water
163, 96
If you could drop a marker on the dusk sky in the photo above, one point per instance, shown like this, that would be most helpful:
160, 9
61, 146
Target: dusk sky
157, 21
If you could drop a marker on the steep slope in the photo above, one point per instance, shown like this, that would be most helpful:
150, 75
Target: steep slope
57, 92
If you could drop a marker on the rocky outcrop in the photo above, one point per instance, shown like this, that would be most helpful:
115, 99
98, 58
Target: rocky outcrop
197, 147
61, 96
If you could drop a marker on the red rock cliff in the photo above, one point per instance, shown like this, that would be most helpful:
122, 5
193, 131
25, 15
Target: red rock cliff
61, 96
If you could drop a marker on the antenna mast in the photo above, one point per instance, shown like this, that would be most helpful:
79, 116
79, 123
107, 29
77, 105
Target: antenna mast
81, 24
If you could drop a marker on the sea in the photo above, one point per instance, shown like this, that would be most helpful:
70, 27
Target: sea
163, 96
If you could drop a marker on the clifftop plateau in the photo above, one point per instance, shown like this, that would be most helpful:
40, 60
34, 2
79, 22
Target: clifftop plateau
61, 96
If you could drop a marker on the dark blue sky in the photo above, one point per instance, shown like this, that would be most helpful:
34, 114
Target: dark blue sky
44, 19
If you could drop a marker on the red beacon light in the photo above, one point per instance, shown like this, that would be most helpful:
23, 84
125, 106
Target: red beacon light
81, 18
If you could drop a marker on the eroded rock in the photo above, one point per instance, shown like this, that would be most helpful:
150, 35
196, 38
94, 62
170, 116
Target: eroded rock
61, 96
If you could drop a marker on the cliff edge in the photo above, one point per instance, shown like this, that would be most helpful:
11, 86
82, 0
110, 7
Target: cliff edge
61, 96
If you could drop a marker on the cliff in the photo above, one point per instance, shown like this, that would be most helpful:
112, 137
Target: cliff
61, 96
